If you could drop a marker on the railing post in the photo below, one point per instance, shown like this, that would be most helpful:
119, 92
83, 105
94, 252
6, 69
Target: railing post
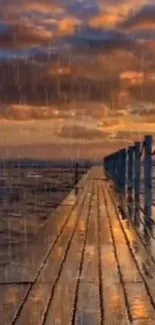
148, 180
118, 169
115, 167
124, 167
112, 166
122, 181
130, 180
76, 178
122, 170
137, 182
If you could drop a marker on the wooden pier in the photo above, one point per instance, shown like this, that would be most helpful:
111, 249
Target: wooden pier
86, 266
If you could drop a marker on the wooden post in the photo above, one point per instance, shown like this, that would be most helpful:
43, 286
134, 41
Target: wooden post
115, 167
130, 180
111, 166
122, 170
76, 178
107, 165
148, 180
137, 183
118, 169
122, 182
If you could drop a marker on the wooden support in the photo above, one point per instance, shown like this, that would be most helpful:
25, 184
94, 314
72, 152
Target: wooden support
122, 172
137, 170
130, 180
122, 182
148, 180
115, 166
124, 167
117, 169
76, 177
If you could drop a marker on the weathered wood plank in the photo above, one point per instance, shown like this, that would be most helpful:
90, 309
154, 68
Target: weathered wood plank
114, 305
96, 173
35, 305
11, 297
51, 267
88, 301
24, 267
141, 256
89, 268
144, 322
115, 310
49, 273
65, 289
140, 303
128, 267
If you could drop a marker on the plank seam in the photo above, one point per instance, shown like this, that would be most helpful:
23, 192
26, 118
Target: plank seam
81, 265
43, 263
128, 243
116, 257
61, 266
101, 293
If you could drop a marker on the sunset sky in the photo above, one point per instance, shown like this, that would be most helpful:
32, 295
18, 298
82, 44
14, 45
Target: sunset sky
77, 78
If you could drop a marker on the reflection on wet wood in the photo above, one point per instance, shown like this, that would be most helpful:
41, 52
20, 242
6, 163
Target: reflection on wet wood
11, 297
88, 300
114, 304
86, 266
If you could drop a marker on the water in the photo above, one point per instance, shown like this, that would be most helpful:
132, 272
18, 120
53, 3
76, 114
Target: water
28, 197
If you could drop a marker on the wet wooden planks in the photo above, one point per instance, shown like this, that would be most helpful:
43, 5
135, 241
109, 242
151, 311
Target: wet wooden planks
130, 251
66, 219
83, 268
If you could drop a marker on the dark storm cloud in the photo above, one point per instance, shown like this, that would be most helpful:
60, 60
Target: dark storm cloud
144, 17
29, 82
31, 24
67, 54
84, 9
98, 38
13, 36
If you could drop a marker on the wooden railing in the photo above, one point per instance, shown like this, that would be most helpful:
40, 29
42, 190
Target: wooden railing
125, 167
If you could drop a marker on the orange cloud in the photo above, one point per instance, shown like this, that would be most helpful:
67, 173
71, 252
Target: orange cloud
112, 16
15, 9
44, 8
67, 25
107, 20
35, 23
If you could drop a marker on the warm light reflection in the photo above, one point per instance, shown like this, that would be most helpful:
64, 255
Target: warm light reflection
56, 112
12, 295
59, 70
91, 250
82, 225
133, 76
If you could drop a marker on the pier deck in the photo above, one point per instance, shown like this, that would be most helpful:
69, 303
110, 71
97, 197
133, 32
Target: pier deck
86, 266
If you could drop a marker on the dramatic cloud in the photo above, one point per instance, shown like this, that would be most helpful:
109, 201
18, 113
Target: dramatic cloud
82, 60
144, 17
